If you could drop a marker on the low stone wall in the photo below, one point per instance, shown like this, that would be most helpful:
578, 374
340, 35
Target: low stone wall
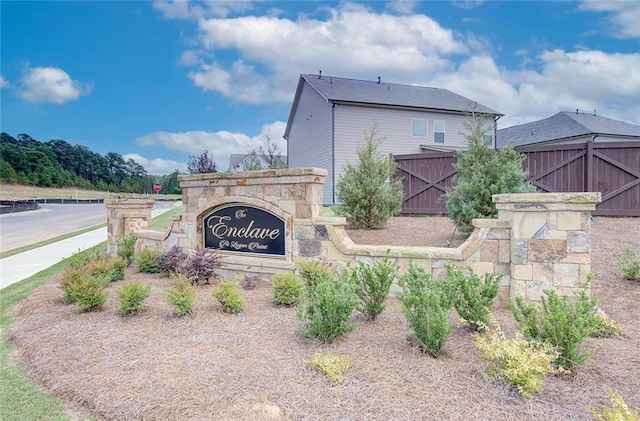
539, 241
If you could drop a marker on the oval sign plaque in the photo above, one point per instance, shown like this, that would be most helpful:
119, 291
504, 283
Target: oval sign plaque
244, 229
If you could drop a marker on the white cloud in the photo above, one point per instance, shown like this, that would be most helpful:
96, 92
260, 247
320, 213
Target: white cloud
622, 17
3, 82
586, 80
184, 9
354, 39
468, 4
157, 166
50, 84
221, 144
403, 7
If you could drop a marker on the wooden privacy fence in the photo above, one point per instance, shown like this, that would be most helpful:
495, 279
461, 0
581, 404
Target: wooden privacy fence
613, 169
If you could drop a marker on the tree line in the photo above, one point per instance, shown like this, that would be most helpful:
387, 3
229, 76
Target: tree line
56, 163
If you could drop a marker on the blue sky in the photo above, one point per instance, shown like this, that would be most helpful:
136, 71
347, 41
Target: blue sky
157, 81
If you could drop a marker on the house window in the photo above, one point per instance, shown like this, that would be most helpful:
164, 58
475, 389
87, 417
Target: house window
438, 131
418, 127
487, 137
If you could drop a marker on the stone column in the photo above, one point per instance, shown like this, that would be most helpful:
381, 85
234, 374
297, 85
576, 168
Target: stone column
122, 214
550, 241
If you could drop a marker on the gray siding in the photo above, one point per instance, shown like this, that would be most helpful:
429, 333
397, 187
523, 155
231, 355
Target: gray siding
351, 122
310, 137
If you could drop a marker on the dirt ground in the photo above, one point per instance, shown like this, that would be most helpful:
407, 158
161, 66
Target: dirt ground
252, 366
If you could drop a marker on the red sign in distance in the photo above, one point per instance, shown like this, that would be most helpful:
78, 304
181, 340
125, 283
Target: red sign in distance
157, 186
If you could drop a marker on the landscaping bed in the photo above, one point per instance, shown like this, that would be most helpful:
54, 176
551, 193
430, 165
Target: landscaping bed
253, 365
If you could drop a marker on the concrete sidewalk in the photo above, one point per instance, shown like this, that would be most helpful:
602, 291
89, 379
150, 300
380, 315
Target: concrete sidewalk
23, 265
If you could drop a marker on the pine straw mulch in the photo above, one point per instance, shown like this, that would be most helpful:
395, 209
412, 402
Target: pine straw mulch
252, 366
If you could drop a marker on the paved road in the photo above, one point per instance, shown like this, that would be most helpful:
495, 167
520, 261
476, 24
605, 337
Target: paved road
20, 266
24, 228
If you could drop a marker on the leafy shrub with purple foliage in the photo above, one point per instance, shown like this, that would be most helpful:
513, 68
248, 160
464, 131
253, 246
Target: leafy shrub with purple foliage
198, 266
170, 261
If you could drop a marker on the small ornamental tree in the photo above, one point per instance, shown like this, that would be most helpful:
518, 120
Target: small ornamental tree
481, 173
203, 163
369, 191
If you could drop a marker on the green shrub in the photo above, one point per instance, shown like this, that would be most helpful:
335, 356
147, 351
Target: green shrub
425, 305
372, 284
629, 263
82, 258
182, 296
471, 295
126, 248
132, 296
369, 191
116, 269
75, 280
332, 366
146, 261
229, 295
287, 288
88, 292
312, 270
560, 322
522, 364
482, 172
326, 307
619, 410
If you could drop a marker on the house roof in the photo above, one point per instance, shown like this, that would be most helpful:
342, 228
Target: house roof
367, 92
564, 125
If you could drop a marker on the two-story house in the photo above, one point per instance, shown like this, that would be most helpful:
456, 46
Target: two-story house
330, 116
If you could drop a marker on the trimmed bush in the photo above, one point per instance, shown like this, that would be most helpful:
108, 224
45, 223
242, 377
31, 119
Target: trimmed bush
629, 263
522, 364
326, 307
287, 288
372, 283
89, 293
560, 322
126, 248
602, 326
332, 366
132, 296
425, 306
312, 270
229, 295
182, 296
471, 295
146, 260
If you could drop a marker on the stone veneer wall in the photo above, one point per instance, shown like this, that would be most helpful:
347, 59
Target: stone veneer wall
539, 241
125, 216
550, 238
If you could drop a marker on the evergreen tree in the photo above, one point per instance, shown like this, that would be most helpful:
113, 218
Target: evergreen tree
481, 173
251, 162
369, 191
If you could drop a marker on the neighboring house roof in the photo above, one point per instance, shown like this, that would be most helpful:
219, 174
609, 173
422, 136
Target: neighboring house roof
562, 126
366, 92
